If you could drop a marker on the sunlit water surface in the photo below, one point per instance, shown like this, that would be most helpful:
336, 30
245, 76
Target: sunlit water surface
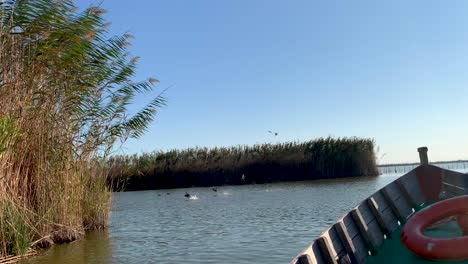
267, 223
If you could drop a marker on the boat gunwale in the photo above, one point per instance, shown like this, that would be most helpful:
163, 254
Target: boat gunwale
414, 200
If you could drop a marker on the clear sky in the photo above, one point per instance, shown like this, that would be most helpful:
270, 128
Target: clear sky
395, 71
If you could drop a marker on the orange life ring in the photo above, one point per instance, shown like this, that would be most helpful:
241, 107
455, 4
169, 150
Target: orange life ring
413, 237
462, 221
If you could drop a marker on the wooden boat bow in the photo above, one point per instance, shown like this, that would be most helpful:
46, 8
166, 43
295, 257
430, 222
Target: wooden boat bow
362, 232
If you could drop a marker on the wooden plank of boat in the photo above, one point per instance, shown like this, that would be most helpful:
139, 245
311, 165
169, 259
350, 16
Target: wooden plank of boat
406, 183
347, 243
378, 216
390, 199
366, 227
454, 184
363, 235
328, 252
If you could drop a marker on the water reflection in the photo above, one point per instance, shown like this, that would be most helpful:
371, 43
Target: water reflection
95, 248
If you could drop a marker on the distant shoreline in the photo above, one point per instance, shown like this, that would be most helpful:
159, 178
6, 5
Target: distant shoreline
417, 163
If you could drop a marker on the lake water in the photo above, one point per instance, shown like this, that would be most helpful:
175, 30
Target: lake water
267, 223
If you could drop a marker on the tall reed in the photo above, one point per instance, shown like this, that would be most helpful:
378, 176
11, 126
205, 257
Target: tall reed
64, 91
316, 159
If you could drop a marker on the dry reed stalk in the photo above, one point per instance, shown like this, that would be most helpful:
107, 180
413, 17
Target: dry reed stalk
14, 259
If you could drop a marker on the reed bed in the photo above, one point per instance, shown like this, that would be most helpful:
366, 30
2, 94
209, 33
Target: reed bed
64, 88
322, 158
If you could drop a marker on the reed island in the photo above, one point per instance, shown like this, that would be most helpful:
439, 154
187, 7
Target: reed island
323, 158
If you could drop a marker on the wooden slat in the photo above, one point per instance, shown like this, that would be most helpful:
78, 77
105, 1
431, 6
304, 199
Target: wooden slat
350, 226
366, 212
340, 253
449, 195
392, 190
406, 194
332, 237
380, 201
326, 250
378, 216
361, 249
389, 199
304, 259
455, 178
411, 182
346, 241
345, 259
311, 253
390, 219
348, 220
363, 230
404, 206
453, 190
376, 233
317, 253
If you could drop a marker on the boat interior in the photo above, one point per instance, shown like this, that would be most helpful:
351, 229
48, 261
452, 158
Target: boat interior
370, 232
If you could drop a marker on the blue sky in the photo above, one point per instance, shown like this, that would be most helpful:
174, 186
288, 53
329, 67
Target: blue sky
395, 71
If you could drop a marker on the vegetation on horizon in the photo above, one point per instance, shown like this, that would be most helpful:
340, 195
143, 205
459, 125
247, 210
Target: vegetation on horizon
64, 92
322, 158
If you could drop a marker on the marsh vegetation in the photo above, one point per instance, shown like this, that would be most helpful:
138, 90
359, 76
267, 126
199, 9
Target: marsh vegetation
322, 158
64, 91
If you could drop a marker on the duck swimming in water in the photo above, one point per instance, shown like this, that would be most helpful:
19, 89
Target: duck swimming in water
191, 196
214, 189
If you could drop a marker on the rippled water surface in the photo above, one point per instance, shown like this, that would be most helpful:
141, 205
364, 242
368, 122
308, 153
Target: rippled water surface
268, 223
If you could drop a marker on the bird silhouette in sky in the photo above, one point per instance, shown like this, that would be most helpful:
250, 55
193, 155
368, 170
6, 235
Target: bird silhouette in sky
274, 133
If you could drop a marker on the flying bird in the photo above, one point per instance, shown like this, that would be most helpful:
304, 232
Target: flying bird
274, 133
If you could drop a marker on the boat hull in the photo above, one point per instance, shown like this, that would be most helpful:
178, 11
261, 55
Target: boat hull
365, 232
